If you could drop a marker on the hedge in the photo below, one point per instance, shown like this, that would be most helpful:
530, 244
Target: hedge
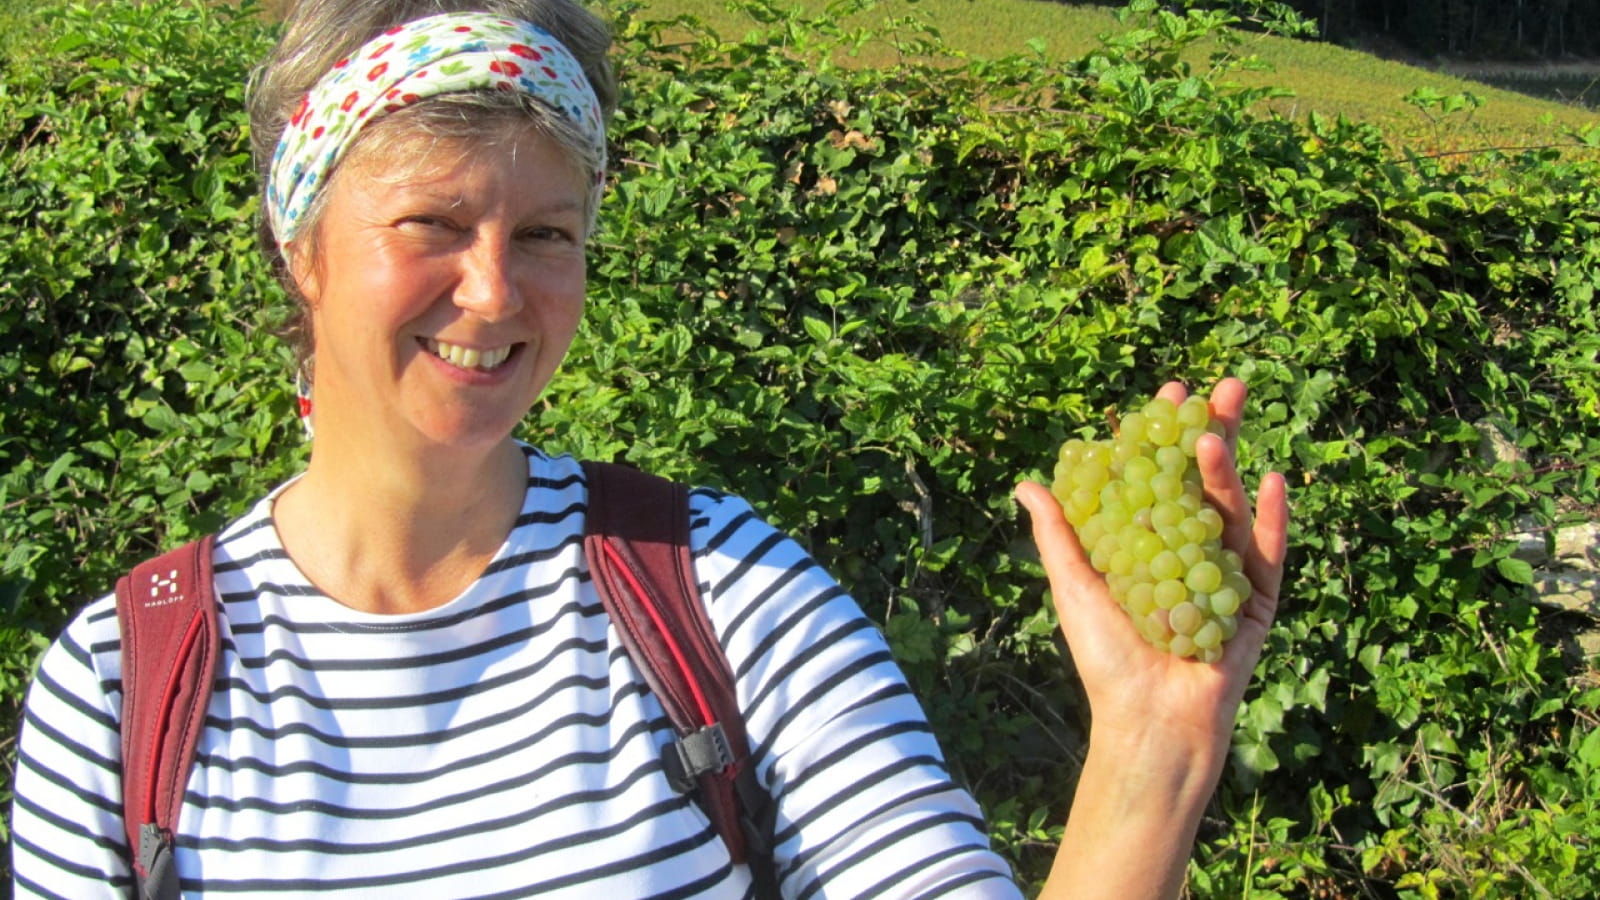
871, 300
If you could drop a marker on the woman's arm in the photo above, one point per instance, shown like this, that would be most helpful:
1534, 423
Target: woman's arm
1161, 725
66, 819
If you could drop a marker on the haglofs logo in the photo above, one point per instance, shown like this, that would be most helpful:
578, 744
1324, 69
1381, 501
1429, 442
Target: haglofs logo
163, 588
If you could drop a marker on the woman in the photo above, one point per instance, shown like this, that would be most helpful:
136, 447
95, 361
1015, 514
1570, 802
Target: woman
420, 691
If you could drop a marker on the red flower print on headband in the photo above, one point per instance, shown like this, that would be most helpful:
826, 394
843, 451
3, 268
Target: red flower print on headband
350, 100
377, 71
508, 69
526, 52
300, 114
381, 50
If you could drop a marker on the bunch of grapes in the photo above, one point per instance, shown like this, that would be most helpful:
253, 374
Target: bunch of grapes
1137, 506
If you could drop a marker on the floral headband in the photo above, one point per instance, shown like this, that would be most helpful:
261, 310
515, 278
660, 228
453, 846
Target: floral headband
449, 53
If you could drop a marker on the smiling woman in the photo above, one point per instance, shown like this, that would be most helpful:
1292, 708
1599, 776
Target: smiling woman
418, 684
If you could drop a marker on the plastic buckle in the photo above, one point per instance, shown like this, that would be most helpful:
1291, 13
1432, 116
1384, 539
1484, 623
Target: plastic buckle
697, 753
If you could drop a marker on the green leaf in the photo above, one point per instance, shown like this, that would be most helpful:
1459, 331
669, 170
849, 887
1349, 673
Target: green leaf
817, 329
57, 468
1514, 570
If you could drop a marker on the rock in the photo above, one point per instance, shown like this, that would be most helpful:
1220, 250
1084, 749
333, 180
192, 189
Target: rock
1494, 441
1569, 590
1579, 545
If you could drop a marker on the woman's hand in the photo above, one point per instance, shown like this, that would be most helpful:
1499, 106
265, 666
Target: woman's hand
1161, 724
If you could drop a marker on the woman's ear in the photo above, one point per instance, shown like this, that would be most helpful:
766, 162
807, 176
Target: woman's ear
303, 269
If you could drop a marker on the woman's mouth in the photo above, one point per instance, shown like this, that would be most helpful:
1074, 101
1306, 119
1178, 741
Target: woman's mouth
480, 360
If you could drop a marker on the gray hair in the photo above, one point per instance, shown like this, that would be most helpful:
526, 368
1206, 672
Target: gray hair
318, 33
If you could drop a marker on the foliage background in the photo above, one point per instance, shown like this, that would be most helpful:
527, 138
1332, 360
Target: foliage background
871, 299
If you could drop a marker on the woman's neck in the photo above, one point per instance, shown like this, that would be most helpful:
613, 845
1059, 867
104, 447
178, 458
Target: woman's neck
399, 532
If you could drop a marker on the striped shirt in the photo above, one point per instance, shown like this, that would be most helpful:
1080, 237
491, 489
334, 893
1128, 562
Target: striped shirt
503, 744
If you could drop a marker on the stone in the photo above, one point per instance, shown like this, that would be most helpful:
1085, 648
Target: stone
1578, 546
1494, 441
1569, 590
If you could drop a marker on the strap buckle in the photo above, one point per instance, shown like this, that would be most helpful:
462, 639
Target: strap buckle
697, 753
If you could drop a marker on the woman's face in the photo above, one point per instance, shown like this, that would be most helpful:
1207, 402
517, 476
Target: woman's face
445, 287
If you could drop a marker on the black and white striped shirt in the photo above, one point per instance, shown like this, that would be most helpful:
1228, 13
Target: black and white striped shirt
503, 745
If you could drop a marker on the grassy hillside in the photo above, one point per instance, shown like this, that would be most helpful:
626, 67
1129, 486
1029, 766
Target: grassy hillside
1323, 78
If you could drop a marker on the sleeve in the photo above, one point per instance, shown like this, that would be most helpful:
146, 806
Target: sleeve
865, 805
66, 817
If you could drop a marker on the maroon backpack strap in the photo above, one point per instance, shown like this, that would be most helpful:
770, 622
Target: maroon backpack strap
637, 543
166, 608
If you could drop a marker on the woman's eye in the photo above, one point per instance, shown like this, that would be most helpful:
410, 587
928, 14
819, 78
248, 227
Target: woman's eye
548, 234
425, 222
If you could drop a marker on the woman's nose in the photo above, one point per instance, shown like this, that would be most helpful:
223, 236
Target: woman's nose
488, 286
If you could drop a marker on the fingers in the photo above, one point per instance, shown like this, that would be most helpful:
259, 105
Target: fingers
1082, 603
1059, 550
1227, 403
1224, 490
1227, 406
1270, 538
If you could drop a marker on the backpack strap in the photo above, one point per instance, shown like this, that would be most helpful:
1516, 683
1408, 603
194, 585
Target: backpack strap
637, 543
166, 608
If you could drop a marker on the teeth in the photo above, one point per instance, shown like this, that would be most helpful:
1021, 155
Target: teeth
468, 357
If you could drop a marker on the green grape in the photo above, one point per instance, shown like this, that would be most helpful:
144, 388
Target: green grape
1172, 459
1229, 626
1137, 504
1146, 546
1166, 486
1115, 515
1163, 432
1140, 598
1132, 428
1170, 593
1090, 478
1188, 439
1204, 577
1191, 555
1185, 618
1090, 532
1161, 408
1239, 583
1138, 494
1225, 601
1181, 645
1140, 470
1100, 556
1166, 565
1171, 537
1194, 412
